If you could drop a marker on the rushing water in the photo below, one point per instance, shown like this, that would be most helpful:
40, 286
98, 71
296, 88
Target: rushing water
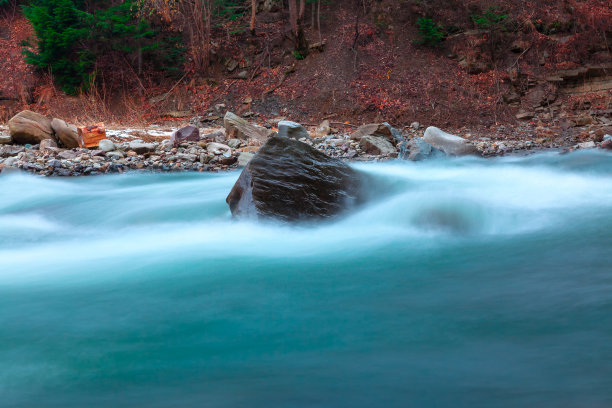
469, 283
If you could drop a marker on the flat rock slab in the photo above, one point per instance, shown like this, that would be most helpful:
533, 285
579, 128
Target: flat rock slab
291, 181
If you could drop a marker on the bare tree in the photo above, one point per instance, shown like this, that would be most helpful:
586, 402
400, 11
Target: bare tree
253, 14
296, 18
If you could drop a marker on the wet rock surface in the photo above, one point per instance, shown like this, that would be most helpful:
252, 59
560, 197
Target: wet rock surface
289, 180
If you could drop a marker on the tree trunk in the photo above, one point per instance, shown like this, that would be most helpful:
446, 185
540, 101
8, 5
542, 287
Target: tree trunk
296, 17
253, 13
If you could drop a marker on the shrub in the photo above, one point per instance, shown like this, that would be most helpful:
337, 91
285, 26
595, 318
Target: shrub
432, 34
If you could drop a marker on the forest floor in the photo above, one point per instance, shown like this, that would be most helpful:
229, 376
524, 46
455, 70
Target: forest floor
380, 75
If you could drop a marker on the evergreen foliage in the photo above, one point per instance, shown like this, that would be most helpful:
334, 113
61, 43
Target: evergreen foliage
71, 39
61, 29
432, 34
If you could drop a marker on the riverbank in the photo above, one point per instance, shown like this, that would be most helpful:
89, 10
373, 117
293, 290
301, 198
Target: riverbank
150, 148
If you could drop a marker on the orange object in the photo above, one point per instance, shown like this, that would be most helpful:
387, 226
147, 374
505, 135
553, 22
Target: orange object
90, 136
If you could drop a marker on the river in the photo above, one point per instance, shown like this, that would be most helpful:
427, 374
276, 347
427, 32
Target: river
467, 283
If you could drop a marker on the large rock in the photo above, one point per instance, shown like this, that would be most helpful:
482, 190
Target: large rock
292, 181
374, 129
417, 149
238, 128
450, 144
65, 133
376, 145
28, 127
293, 130
185, 134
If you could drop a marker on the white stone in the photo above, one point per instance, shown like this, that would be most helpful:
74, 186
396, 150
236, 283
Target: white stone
218, 148
106, 145
450, 144
292, 130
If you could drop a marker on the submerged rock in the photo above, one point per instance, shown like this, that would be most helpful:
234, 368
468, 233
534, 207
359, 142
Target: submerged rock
292, 181
450, 144
417, 149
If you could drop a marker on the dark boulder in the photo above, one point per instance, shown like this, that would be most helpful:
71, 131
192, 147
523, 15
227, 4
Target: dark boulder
291, 181
185, 134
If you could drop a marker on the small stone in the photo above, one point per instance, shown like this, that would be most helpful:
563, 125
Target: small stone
587, 145
205, 158
106, 145
415, 125
217, 148
234, 143
67, 155
244, 158
5, 139
606, 144
141, 148
47, 145
187, 157
115, 155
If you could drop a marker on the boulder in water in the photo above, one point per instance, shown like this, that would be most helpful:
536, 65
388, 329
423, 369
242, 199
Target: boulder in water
450, 144
28, 127
417, 149
292, 181
67, 134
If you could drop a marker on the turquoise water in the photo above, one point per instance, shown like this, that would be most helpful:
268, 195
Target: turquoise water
468, 283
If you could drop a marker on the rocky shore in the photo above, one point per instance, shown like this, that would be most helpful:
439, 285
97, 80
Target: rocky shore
232, 146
